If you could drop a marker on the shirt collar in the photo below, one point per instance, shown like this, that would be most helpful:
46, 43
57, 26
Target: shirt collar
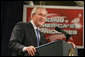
35, 27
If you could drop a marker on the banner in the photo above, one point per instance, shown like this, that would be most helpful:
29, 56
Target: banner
68, 18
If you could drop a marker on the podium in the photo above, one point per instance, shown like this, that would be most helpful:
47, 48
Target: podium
56, 48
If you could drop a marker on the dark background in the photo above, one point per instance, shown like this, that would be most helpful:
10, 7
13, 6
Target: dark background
12, 13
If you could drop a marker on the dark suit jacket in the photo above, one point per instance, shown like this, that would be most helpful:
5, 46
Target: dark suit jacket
23, 35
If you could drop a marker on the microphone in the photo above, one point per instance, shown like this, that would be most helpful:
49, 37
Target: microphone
64, 32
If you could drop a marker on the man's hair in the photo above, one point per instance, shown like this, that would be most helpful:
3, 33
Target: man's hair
34, 10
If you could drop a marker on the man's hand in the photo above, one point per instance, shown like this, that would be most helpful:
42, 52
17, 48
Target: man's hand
31, 50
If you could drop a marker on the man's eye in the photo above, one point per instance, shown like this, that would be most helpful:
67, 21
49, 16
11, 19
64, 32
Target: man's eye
40, 14
44, 15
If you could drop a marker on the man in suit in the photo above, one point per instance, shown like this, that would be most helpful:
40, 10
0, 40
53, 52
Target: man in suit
24, 35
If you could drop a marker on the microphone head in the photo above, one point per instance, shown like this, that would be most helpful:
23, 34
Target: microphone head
58, 29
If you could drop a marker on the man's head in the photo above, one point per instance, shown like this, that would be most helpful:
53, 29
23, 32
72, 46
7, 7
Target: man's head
38, 16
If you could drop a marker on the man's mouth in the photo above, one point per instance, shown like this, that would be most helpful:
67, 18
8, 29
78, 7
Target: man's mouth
41, 20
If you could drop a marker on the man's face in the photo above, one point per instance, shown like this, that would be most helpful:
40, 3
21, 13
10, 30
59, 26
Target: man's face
39, 18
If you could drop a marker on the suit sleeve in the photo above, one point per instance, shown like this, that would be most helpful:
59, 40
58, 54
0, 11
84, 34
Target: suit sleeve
16, 40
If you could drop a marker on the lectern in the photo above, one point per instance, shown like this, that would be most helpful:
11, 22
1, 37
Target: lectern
56, 48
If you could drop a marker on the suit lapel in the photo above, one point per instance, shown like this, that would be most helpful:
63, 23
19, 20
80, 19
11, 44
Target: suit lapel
33, 35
